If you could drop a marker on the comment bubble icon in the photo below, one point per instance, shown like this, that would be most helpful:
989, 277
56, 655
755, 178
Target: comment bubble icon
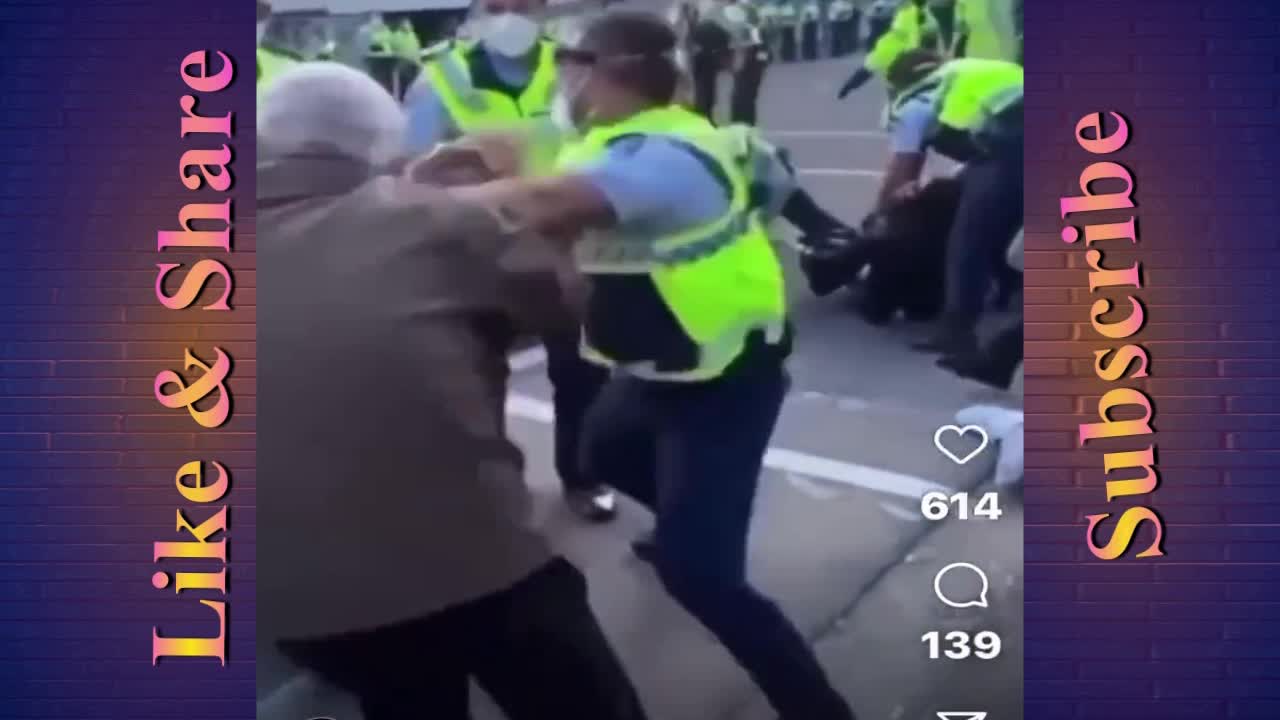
967, 586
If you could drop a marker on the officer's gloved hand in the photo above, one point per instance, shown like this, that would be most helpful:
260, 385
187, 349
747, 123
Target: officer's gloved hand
857, 80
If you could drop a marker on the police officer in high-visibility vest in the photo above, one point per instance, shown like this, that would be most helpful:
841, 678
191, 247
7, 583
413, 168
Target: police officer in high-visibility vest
271, 61
498, 80
970, 111
988, 29
393, 57
504, 80
923, 24
687, 308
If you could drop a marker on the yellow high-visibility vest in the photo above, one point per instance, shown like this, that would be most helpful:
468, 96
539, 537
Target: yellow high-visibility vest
270, 64
913, 27
722, 281
474, 109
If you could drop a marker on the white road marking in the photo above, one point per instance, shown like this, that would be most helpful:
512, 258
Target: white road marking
840, 172
781, 459
876, 134
527, 359
523, 406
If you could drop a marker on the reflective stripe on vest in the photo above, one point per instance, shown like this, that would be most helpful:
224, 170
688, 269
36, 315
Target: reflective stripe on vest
473, 109
721, 281
968, 92
771, 179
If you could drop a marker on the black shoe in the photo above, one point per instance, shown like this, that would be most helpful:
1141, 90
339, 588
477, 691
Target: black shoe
596, 505
645, 548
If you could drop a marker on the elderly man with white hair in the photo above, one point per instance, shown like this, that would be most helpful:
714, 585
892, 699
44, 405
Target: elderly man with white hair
396, 556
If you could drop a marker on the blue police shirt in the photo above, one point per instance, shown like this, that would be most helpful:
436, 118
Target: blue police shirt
657, 186
916, 122
429, 119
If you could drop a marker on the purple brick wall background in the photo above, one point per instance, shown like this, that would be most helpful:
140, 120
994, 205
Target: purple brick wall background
1193, 634
89, 126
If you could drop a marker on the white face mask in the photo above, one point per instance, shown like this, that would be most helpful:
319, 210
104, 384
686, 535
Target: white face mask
508, 34
262, 31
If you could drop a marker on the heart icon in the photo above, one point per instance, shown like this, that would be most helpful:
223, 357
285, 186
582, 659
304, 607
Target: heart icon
947, 431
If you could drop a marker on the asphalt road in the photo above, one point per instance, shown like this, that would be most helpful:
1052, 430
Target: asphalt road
838, 537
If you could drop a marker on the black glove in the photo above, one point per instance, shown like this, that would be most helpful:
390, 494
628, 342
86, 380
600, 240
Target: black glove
857, 80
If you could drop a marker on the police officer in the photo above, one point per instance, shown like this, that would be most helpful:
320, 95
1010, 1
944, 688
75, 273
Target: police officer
688, 308
504, 79
915, 25
788, 19
404, 40
752, 55
988, 29
844, 27
810, 22
394, 55
713, 46
272, 61
498, 80
879, 18
970, 111
728, 36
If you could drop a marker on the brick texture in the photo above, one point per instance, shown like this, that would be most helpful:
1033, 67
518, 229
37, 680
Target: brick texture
89, 125
1191, 634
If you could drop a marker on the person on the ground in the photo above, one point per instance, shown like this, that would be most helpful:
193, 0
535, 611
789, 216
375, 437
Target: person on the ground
398, 551
687, 307
970, 111
504, 81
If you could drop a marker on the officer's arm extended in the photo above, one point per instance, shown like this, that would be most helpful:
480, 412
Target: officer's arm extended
429, 121
908, 137
646, 183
